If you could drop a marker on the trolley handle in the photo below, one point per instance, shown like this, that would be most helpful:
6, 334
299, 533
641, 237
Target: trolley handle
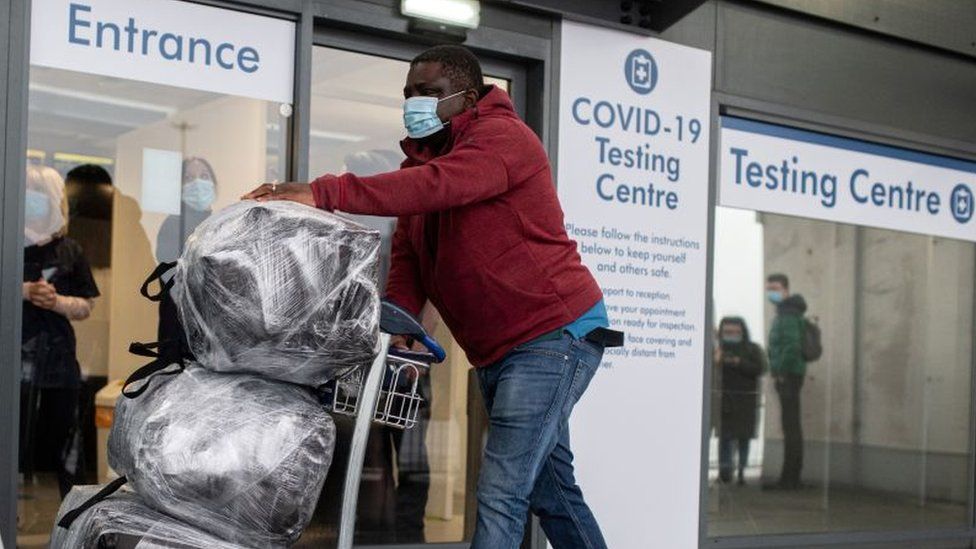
396, 320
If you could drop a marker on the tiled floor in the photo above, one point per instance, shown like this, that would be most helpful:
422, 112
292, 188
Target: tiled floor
749, 510
37, 505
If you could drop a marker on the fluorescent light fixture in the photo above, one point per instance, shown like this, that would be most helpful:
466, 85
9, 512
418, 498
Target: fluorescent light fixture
337, 136
104, 99
459, 13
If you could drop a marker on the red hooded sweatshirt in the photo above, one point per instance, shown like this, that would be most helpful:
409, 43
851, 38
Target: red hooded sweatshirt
480, 232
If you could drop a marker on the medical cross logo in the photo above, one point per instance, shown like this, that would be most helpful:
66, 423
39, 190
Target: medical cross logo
961, 202
641, 71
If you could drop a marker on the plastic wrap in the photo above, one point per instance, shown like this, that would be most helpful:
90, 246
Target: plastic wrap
122, 515
280, 290
237, 455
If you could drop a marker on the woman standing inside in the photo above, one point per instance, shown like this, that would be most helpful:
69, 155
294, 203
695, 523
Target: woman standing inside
58, 287
741, 363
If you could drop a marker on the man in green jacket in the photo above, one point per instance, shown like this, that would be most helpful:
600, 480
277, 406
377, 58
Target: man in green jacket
788, 368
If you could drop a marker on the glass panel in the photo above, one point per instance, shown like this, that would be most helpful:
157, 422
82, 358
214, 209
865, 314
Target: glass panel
417, 485
143, 164
880, 422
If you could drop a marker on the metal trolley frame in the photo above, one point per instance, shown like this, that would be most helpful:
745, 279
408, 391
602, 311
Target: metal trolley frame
385, 393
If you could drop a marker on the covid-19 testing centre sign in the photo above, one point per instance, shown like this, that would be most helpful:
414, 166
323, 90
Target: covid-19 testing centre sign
633, 172
779, 169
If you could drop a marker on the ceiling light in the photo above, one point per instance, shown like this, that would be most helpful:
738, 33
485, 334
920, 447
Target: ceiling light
460, 13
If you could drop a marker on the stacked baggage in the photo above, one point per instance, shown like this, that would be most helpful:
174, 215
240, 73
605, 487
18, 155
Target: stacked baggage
231, 449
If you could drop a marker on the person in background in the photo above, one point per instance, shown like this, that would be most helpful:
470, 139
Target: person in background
58, 288
198, 193
90, 193
788, 368
741, 363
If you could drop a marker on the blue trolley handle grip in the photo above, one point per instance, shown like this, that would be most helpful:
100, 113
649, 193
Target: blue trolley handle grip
435, 348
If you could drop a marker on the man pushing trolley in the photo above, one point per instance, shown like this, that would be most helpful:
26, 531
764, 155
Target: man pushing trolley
480, 235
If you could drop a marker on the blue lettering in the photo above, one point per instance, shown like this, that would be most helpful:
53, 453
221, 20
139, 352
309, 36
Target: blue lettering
146, 35
220, 58
248, 54
754, 174
854, 176
648, 116
576, 115
603, 144
932, 203
74, 22
599, 186
99, 33
176, 55
603, 106
131, 31
170, 46
738, 154
625, 120
829, 192
194, 42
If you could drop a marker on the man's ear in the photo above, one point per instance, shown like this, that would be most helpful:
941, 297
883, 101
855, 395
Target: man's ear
470, 99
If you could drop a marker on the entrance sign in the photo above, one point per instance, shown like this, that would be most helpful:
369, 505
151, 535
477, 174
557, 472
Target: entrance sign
633, 181
784, 170
168, 42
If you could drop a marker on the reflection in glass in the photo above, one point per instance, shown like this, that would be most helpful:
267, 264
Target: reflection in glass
872, 431
141, 163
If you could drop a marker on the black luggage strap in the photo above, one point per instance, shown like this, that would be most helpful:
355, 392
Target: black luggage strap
164, 360
157, 274
605, 337
105, 492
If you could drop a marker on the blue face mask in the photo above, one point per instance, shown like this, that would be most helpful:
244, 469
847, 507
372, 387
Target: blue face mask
199, 194
37, 207
774, 296
420, 115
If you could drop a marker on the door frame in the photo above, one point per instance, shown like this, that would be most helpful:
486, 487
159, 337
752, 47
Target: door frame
531, 103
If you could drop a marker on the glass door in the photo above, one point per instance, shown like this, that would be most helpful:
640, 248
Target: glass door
417, 486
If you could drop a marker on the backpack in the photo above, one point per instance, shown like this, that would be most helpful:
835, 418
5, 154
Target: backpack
812, 346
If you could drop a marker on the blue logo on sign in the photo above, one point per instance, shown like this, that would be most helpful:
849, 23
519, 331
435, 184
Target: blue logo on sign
962, 203
641, 71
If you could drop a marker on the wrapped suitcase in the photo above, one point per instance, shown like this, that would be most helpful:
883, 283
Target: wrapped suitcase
280, 290
122, 520
237, 455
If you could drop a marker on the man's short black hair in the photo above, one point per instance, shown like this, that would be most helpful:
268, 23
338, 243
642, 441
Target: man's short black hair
460, 66
89, 174
781, 278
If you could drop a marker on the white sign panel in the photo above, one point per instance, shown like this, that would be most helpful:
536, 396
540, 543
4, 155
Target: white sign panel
784, 170
167, 42
633, 181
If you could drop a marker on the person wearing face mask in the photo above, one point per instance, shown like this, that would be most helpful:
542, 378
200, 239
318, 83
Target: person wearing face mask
197, 195
58, 288
739, 363
480, 234
788, 368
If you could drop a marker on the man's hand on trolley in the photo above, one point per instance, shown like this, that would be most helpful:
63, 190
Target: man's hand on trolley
295, 192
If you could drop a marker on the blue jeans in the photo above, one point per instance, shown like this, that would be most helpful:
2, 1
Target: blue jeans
527, 464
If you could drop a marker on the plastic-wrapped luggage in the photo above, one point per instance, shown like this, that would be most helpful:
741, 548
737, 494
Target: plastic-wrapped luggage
238, 455
280, 290
122, 515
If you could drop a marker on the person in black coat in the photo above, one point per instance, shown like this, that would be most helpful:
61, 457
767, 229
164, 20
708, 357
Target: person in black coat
58, 288
740, 364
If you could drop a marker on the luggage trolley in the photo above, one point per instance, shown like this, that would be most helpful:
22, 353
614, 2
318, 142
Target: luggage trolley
385, 393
